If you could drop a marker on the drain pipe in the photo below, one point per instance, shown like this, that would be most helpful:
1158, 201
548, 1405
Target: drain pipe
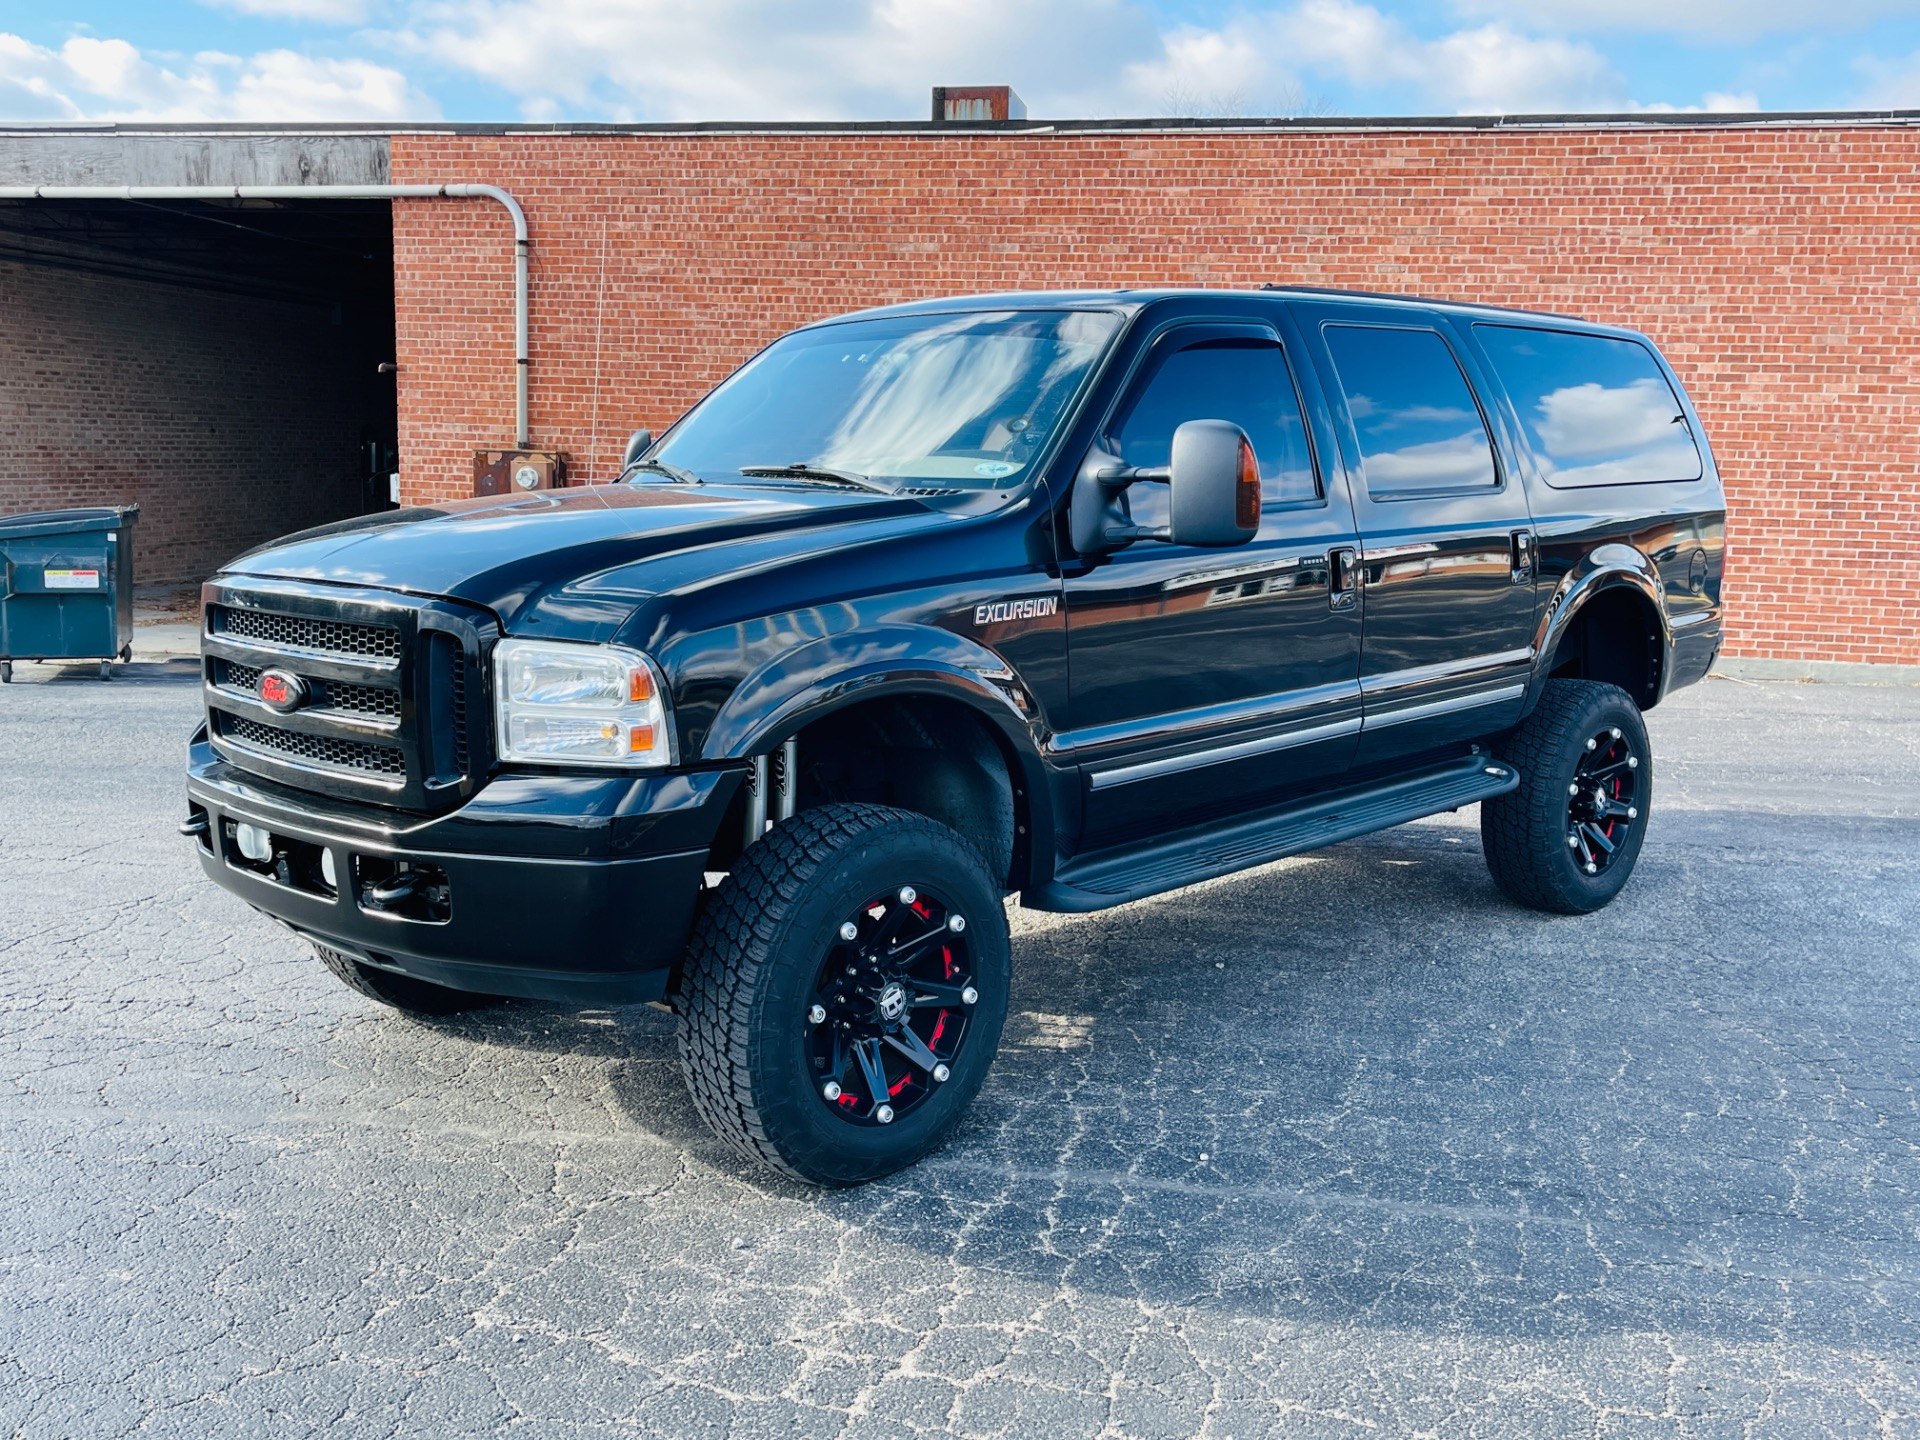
522, 435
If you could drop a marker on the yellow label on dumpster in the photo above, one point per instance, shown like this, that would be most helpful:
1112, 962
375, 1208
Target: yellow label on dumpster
72, 579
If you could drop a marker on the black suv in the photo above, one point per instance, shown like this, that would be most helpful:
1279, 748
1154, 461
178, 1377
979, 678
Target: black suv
1079, 596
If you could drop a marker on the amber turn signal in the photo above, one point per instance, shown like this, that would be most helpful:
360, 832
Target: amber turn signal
1246, 494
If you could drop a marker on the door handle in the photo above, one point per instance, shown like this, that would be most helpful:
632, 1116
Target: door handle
1521, 556
1343, 577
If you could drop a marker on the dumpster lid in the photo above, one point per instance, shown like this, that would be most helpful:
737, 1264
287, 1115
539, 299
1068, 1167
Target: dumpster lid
66, 522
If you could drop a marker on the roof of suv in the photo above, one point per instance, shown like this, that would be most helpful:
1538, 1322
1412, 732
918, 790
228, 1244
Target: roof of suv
1136, 299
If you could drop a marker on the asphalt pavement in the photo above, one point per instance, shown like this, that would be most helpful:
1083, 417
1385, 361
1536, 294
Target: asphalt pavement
1347, 1146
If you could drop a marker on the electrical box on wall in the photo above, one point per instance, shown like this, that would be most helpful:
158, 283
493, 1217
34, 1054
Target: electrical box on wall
513, 472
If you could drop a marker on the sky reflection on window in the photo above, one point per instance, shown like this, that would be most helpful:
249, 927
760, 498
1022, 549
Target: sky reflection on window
1415, 418
1597, 411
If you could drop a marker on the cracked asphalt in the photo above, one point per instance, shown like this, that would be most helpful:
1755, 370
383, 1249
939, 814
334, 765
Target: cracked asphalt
1344, 1147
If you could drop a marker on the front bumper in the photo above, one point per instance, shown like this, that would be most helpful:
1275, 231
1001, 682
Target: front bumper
579, 889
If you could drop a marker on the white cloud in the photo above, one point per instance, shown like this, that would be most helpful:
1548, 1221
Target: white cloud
769, 60
93, 79
326, 12
1489, 70
840, 59
1716, 19
1888, 84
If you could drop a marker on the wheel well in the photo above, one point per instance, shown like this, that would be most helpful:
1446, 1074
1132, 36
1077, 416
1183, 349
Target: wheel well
927, 754
1615, 637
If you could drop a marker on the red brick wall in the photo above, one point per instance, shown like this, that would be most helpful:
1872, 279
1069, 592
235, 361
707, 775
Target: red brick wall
228, 420
1779, 269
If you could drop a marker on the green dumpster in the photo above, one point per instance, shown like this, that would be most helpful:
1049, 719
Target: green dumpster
66, 586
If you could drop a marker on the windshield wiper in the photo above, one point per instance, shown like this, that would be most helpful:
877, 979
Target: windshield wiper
801, 470
661, 467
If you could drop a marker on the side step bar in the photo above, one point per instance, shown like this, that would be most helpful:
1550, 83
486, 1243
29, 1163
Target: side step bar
1095, 882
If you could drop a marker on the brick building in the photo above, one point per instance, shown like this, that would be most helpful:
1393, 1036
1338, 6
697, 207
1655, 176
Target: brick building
1773, 258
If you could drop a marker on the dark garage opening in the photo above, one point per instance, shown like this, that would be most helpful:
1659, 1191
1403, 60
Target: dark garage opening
217, 362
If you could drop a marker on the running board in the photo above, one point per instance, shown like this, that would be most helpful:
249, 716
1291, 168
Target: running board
1096, 882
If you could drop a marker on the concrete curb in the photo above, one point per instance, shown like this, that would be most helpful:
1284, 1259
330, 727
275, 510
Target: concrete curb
1825, 672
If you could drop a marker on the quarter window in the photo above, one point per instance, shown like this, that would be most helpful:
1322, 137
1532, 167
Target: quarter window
1597, 410
1417, 422
1245, 382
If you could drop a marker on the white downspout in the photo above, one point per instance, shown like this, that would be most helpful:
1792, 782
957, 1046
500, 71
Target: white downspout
522, 434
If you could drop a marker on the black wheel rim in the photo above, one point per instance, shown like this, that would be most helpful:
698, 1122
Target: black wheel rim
1603, 800
891, 1006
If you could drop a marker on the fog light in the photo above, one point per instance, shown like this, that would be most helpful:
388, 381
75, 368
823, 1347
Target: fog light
253, 842
327, 872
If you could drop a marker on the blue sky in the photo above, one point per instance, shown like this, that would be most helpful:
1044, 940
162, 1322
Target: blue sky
875, 59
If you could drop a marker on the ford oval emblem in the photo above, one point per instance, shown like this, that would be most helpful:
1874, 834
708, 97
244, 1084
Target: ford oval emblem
282, 691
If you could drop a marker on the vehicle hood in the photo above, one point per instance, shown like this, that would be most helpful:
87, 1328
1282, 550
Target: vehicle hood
577, 554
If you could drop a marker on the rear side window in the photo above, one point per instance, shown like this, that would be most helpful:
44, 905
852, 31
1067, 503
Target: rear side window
1419, 427
1598, 410
1245, 382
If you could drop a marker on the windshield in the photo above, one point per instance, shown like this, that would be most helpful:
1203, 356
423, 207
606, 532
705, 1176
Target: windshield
950, 400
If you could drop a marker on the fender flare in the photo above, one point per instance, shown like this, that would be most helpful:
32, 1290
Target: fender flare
1604, 568
802, 685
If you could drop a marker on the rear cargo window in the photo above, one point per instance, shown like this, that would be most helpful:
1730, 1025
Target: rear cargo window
1597, 410
1418, 425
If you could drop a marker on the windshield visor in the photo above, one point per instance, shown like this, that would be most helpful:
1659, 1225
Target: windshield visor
952, 400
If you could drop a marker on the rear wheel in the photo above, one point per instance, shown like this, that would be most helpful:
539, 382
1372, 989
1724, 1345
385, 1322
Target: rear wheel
844, 993
402, 992
1566, 840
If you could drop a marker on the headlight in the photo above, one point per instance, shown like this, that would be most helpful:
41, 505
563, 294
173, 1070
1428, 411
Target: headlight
560, 704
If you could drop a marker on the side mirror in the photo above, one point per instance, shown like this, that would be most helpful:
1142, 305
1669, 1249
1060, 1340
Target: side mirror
638, 444
1214, 482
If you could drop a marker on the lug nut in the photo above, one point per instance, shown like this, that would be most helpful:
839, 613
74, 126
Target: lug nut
1573, 842
831, 1090
884, 1114
956, 923
853, 969
849, 930
1592, 869
816, 1015
1633, 762
1593, 744
1574, 788
908, 894
1614, 732
969, 996
942, 1074
1633, 812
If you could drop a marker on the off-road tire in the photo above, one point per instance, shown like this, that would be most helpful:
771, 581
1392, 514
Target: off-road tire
750, 972
402, 992
1524, 833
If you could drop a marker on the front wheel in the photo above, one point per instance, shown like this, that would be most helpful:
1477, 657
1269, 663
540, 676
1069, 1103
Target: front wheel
1566, 840
844, 993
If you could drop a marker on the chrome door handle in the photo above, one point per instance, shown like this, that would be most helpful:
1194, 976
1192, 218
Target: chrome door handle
1343, 577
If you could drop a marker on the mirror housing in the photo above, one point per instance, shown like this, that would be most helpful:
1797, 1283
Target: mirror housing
1213, 478
638, 444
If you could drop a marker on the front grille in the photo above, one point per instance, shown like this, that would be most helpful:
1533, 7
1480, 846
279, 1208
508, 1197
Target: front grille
369, 700
457, 712
301, 632
376, 702
328, 751
391, 711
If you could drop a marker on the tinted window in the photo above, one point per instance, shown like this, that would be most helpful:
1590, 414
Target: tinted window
1418, 425
1597, 410
1246, 383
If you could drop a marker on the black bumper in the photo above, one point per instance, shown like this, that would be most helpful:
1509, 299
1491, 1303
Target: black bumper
579, 889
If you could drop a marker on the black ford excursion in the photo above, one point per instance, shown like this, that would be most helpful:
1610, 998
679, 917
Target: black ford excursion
1080, 597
